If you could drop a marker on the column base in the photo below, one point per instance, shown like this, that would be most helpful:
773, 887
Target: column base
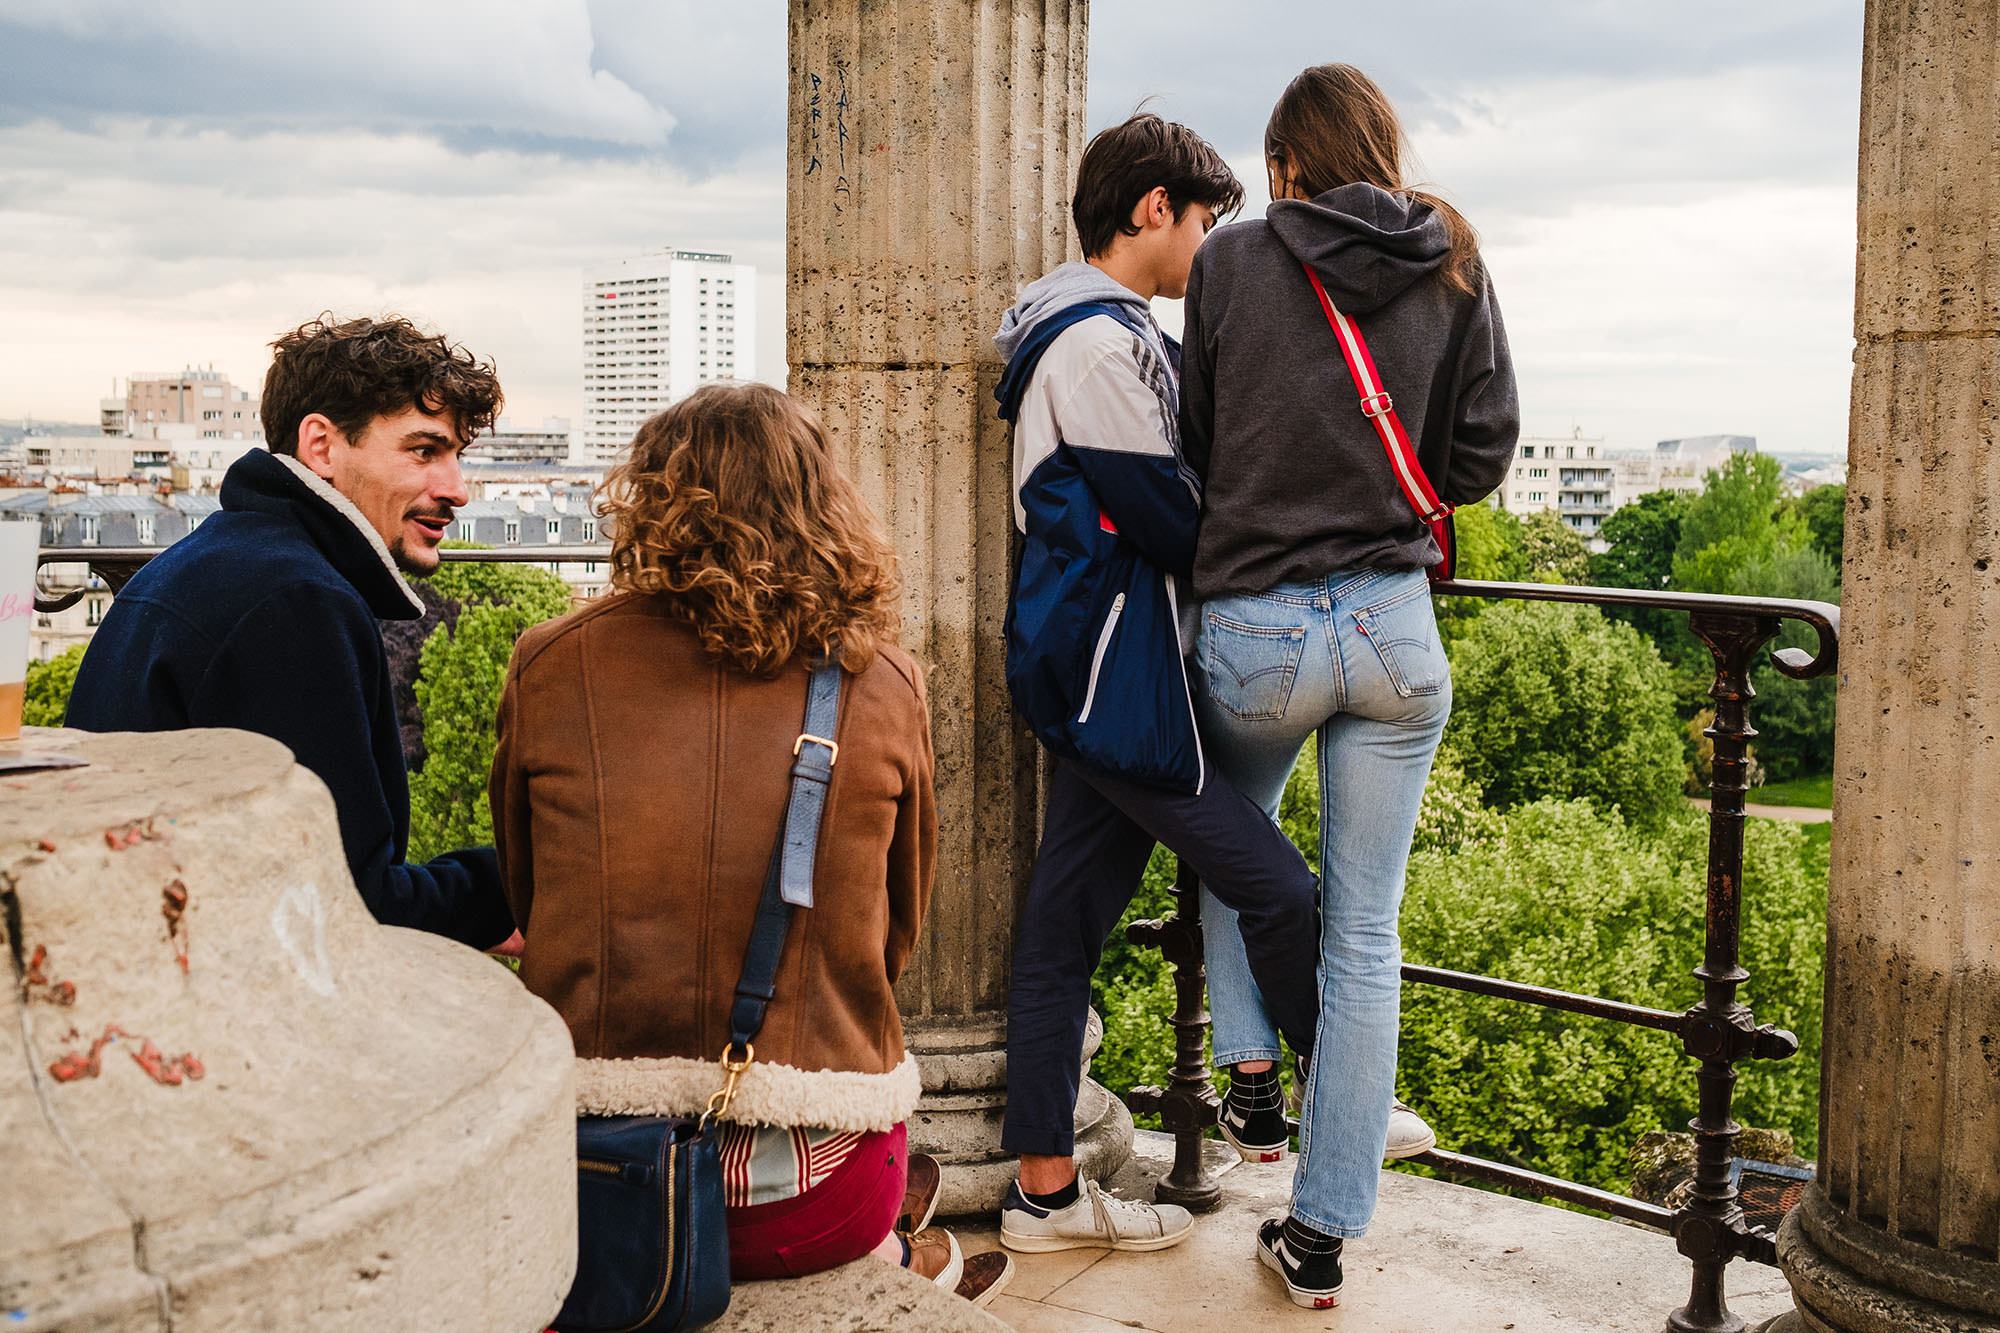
1849, 1277
965, 1100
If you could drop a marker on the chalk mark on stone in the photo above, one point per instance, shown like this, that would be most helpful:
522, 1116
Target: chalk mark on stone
300, 908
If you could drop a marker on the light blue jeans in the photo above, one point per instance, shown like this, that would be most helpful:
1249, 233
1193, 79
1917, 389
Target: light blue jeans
1355, 656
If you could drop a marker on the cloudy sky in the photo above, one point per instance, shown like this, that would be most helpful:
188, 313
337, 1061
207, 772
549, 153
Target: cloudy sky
1666, 193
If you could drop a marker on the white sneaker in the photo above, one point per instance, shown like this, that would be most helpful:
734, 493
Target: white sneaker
1409, 1136
1095, 1219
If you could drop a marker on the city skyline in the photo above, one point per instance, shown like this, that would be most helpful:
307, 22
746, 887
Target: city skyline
1667, 207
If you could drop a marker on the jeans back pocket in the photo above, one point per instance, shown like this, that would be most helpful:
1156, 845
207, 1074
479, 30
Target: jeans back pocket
1404, 632
1250, 667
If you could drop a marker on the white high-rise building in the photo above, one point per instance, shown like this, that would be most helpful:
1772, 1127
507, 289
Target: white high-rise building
655, 329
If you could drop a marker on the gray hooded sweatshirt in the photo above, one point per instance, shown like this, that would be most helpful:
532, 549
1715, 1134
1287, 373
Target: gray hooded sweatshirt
1297, 484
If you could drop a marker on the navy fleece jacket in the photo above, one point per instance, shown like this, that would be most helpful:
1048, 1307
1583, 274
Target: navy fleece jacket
264, 618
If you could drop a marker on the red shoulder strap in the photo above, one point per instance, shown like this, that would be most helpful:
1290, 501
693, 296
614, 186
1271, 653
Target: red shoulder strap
1379, 408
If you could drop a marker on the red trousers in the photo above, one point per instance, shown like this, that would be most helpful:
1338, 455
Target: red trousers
840, 1219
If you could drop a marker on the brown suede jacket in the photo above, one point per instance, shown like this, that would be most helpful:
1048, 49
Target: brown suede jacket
637, 792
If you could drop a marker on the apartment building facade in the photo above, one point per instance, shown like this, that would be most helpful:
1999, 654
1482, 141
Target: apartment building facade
655, 329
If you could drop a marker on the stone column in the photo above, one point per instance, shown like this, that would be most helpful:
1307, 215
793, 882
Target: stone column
932, 149
1900, 1230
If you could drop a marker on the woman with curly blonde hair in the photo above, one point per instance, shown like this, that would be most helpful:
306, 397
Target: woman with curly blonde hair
646, 748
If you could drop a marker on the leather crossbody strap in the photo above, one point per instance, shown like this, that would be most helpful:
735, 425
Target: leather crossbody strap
788, 881
1380, 409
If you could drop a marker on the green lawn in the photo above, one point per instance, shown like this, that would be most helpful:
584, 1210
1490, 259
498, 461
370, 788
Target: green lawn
1814, 791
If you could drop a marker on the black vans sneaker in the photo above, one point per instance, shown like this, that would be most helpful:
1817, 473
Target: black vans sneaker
1307, 1260
1253, 1117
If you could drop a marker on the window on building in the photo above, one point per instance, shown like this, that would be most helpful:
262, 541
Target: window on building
514, 530
590, 529
1527, 451
1590, 451
145, 527
463, 529
555, 530
87, 532
194, 521
1569, 451
93, 611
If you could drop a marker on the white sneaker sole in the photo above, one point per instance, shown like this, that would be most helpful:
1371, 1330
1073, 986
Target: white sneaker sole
1048, 1244
1308, 1299
1250, 1153
1396, 1152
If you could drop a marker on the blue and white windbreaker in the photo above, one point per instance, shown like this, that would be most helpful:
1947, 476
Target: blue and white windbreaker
1108, 512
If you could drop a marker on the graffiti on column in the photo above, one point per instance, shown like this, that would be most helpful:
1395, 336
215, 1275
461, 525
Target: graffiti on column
841, 194
812, 121
819, 99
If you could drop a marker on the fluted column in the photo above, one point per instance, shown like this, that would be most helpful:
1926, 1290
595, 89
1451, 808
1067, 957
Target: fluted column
1900, 1230
932, 147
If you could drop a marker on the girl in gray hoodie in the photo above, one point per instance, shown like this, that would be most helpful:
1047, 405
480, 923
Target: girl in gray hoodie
1311, 566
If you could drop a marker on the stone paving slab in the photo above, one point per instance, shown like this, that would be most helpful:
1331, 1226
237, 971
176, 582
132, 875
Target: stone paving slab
1441, 1258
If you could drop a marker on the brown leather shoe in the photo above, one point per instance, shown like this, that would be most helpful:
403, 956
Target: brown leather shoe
985, 1276
921, 1196
934, 1254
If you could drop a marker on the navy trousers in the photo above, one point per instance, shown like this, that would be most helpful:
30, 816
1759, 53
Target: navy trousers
1097, 836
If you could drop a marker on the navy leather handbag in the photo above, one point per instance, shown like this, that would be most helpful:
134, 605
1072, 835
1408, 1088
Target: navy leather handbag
652, 1242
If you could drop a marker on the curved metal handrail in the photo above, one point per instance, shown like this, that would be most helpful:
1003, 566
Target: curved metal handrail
1824, 617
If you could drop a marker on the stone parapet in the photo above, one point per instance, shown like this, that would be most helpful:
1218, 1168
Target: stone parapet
229, 1100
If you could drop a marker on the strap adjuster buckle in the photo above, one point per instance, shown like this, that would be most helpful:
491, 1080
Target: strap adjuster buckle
1377, 405
832, 747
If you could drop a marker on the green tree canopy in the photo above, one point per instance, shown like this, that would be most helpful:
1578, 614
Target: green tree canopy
1572, 898
1489, 543
1552, 551
1553, 700
1732, 523
46, 693
1825, 512
1641, 540
461, 671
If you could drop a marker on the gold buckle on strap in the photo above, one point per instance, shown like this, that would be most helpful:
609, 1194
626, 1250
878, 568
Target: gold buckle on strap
832, 747
1377, 405
732, 1073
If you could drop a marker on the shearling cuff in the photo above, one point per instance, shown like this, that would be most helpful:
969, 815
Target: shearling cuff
769, 1094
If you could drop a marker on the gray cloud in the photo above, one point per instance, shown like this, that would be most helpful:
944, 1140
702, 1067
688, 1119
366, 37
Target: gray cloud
1666, 194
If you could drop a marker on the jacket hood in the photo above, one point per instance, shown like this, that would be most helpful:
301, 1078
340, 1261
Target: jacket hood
1074, 283
283, 487
1367, 245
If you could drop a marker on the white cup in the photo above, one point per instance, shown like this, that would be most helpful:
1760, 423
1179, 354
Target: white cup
18, 545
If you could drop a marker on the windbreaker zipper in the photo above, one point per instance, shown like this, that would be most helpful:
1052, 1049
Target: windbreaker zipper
1187, 690
1097, 658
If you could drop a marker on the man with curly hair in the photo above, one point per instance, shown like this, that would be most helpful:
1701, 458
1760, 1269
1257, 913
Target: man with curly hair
265, 618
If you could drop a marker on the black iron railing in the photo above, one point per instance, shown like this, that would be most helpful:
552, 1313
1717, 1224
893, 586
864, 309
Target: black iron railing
114, 566
1719, 1030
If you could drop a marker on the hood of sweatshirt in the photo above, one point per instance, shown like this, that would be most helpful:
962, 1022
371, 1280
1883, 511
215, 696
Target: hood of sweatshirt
1074, 283
1366, 244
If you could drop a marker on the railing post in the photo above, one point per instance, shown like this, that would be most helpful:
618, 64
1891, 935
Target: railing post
1719, 1030
1189, 1106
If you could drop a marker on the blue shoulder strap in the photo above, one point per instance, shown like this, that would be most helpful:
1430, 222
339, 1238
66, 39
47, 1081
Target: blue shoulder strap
788, 881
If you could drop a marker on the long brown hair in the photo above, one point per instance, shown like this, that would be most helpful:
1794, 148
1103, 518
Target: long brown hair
1332, 126
731, 505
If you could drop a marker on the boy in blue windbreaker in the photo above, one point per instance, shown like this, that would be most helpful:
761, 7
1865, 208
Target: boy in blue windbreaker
1108, 511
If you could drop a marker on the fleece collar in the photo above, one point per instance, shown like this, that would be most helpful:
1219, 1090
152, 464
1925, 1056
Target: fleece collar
280, 485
